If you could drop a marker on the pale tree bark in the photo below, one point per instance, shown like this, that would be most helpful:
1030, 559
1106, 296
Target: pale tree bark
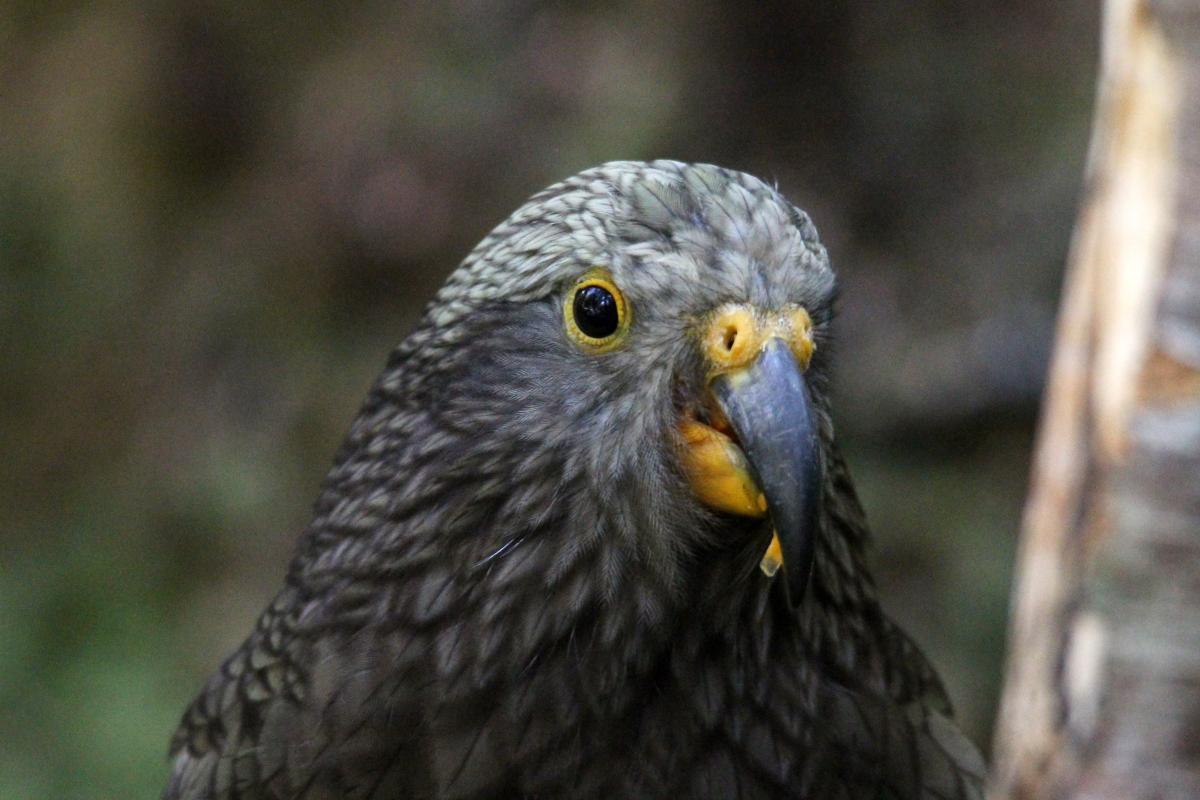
1102, 695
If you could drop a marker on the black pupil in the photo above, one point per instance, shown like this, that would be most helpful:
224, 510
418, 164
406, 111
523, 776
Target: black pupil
596, 312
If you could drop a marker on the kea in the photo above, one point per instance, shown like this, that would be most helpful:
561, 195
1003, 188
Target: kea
591, 536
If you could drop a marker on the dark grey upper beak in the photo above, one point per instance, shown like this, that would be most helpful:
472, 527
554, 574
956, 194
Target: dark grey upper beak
768, 406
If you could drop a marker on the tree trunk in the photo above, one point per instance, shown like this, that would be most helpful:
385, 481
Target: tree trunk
1102, 696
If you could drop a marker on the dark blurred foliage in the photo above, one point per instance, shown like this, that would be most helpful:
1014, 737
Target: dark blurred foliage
216, 219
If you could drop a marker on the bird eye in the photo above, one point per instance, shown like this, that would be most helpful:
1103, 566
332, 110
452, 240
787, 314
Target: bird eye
595, 311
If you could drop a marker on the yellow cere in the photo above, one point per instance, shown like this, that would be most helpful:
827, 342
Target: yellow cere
735, 334
603, 279
798, 328
733, 337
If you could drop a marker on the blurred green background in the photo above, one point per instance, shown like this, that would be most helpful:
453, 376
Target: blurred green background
217, 218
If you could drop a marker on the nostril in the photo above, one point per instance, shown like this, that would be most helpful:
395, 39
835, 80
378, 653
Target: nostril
730, 336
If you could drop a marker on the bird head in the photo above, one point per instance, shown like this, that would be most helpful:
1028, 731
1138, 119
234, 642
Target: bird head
625, 380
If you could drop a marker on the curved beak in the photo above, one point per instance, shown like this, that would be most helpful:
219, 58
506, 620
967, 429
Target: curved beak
767, 405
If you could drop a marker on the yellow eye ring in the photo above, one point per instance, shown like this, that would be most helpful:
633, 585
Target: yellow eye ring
595, 312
